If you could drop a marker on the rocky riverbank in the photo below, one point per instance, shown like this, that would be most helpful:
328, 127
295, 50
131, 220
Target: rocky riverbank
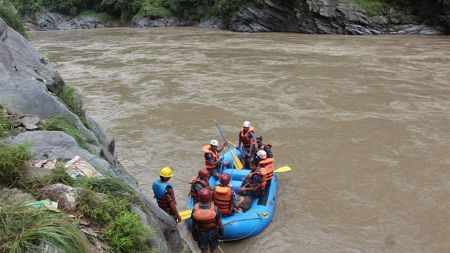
301, 16
39, 109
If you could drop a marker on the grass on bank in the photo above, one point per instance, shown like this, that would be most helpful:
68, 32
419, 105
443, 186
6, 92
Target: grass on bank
126, 233
58, 175
104, 202
26, 229
12, 19
72, 99
65, 124
13, 163
5, 127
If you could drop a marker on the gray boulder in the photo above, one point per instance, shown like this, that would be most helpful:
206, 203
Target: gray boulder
27, 87
45, 20
66, 196
159, 22
310, 16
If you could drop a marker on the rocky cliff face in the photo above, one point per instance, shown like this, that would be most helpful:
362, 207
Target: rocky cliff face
28, 84
322, 17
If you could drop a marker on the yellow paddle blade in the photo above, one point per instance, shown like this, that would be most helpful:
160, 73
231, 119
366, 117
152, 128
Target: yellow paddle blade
236, 161
283, 169
231, 143
186, 214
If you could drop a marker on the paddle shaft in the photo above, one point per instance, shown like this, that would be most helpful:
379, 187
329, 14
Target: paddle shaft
223, 136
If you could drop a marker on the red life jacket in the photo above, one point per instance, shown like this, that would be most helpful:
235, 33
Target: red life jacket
159, 189
205, 218
267, 167
245, 140
194, 193
215, 156
223, 199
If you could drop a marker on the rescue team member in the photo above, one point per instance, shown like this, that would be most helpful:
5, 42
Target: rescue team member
206, 223
266, 166
252, 187
247, 141
164, 193
224, 196
212, 162
198, 183
262, 146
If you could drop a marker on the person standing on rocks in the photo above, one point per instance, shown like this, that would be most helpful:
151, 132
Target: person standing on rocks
164, 193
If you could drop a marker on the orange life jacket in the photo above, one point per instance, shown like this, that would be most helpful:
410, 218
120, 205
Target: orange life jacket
245, 140
205, 218
215, 156
194, 193
223, 199
267, 167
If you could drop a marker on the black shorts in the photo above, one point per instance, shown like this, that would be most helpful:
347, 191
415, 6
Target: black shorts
208, 239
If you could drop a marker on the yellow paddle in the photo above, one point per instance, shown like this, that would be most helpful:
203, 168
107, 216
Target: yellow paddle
236, 161
186, 214
283, 169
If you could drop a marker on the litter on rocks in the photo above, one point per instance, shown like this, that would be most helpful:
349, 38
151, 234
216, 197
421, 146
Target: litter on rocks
46, 164
46, 203
78, 167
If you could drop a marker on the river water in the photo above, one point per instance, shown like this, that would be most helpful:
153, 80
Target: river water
362, 121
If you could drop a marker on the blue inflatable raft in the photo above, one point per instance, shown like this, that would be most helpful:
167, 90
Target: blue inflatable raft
244, 225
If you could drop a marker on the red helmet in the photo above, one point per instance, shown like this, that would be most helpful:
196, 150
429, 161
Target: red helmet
204, 195
224, 179
203, 173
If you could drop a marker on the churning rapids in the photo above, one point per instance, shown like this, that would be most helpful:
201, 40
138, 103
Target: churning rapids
363, 121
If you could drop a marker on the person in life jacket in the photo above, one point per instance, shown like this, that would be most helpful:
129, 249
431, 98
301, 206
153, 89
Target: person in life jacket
252, 187
224, 196
206, 223
212, 162
198, 183
164, 193
247, 142
266, 166
263, 146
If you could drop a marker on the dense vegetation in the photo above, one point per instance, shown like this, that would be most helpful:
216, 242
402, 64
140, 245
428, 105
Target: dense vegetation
8, 14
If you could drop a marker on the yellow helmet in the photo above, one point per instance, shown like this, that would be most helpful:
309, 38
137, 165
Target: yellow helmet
166, 172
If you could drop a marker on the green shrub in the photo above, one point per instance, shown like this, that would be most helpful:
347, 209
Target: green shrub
373, 7
12, 19
65, 124
125, 9
105, 185
13, 163
27, 7
58, 175
72, 99
24, 229
100, 210
154, 9
127, 234
5, 127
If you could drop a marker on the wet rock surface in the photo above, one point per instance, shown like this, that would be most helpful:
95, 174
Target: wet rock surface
28, 84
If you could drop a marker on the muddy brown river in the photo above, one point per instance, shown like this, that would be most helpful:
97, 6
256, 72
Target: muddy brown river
364, 122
